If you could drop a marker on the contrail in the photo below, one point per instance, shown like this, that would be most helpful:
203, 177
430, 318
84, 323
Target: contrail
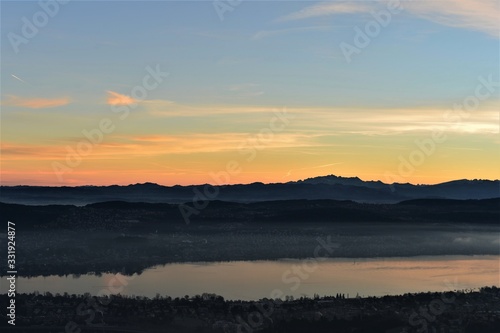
15, 77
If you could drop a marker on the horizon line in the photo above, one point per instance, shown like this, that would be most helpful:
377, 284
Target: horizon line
254, 182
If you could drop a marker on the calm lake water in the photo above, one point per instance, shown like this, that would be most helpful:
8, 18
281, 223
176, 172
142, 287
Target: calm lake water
258, 279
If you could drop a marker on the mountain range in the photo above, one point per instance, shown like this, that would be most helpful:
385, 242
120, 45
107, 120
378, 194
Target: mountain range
325, 187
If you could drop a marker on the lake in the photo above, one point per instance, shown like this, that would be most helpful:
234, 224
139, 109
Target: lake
251, 280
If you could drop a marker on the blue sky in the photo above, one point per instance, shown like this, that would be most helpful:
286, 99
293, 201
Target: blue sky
263, 53
109, 43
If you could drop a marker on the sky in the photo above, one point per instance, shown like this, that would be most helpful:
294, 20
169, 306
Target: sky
227, 92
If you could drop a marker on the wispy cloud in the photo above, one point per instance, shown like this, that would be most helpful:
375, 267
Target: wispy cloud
475, 15
166, 108
246, 90
127, 146
115, 98
338, 120
326, 9
35, 151
272, 33
35, 103
372, 121
209, 142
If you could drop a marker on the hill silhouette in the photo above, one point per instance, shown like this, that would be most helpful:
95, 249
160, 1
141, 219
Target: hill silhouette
327, 187
121, 215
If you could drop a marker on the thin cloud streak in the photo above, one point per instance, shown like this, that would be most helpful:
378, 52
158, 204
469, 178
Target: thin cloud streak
123, 147
17, 78
326, 9
213, 142
35, 103
273, 33
166, 108
369, 121
246, 90
290, 172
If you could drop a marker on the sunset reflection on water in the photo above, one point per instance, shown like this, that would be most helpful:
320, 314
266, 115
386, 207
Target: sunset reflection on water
257, 279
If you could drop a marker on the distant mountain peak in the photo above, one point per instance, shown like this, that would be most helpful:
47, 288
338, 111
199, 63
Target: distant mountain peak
147, 184
339, 180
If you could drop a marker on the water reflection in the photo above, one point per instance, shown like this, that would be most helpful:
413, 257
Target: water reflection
257, 279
